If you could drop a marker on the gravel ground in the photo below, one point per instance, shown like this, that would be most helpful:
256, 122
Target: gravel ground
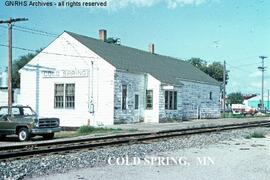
232, 160
38, 167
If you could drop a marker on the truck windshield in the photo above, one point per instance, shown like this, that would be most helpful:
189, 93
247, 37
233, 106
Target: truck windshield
28, 111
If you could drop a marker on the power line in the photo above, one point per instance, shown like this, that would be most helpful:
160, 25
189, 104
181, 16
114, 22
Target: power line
36, 33
36, 30
238, 68
248, 64
37, 51
31, 31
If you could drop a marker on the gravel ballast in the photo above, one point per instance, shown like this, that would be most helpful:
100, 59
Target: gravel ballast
40, 166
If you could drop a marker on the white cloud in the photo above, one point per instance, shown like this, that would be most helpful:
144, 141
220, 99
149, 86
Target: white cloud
119, 4
172, 4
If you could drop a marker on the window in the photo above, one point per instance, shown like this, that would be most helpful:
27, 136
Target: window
124, 97
171, 100
3, 111
15, 111
136, 101
210, 96
64, 96
149, 99
70, 96
59, 96
27, 111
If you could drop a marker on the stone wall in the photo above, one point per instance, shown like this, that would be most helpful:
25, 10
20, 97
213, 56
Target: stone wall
193, 100
135, 85
197, 103
168, 115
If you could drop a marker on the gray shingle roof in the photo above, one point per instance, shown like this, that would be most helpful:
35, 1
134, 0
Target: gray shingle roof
166, 69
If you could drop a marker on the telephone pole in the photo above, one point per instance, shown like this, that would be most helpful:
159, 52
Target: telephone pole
224, 87
9, 22
262, 68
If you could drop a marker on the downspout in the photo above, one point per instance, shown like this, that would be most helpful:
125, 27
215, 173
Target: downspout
91, 107
37, 89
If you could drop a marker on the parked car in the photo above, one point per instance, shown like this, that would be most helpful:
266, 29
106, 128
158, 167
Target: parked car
24, 122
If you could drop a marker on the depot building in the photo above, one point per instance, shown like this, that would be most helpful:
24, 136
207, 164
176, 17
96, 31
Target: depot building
87, 81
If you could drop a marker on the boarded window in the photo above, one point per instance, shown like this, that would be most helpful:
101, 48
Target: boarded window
136, 101
149, 99
70, 96
59, 96
171, 100
124, 97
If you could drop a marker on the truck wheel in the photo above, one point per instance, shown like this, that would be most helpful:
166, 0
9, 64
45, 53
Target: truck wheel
48, 136
2, 136
23, 134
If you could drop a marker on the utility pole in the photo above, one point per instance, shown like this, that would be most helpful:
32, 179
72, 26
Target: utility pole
268, 100
9, 22
224, 87
262, 68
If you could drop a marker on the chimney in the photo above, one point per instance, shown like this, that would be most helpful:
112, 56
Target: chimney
151, 48
102, 35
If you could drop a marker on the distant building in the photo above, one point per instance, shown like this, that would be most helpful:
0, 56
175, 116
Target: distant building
3, 79
255, 102
4, 89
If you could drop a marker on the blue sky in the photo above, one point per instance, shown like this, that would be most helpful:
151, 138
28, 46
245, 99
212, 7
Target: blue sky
214, 30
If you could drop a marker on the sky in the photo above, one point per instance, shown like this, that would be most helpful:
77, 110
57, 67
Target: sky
214, 30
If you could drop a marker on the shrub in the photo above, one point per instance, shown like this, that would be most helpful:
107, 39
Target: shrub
91, 129
256, 134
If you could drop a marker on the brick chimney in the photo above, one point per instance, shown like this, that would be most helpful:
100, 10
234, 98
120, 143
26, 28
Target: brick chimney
151, 48
102, 35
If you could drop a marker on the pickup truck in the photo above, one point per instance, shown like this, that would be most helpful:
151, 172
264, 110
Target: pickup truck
243, 110
24, 122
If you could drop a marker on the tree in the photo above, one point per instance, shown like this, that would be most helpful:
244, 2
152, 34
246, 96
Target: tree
17, 65
215, 70
235, 98
199, 63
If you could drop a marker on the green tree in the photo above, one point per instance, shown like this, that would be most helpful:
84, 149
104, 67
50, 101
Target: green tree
215, 70
17, 65
235, 98
199, 63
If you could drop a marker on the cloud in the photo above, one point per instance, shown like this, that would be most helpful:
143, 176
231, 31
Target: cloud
172, 4
119, 4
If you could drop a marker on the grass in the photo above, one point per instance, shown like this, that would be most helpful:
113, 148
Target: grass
231, 115
256, 134
88, 130
92, 130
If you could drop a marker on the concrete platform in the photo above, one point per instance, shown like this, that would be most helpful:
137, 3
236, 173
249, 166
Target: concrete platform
151, 127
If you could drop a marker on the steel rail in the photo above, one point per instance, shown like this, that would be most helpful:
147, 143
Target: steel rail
98, 142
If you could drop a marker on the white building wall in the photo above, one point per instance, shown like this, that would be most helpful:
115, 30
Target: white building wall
3, 79
28, 88
3, 97
77, 57
152, 115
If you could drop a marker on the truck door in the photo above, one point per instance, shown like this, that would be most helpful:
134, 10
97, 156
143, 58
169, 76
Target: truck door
7, 122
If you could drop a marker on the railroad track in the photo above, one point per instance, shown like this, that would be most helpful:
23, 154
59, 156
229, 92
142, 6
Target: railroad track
23, 151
